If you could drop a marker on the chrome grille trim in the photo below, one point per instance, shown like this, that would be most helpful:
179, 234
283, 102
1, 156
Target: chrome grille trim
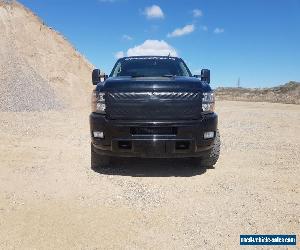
155, 94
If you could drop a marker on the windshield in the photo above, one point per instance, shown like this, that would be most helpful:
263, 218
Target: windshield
150, 67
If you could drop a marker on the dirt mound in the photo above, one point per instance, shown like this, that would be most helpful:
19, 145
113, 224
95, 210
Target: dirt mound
39, 68
287, 93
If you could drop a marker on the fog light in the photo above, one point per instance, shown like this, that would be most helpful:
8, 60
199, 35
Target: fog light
209, 135
98, 134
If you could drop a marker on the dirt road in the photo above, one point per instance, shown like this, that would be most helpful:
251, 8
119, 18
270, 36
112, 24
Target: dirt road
51, 199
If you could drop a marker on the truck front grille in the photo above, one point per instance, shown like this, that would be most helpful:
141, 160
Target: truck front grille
153, 131
153, 105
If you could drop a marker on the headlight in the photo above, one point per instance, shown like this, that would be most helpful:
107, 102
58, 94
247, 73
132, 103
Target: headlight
208, 102
98, 102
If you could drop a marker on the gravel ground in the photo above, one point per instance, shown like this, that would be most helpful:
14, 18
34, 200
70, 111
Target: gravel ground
50, 198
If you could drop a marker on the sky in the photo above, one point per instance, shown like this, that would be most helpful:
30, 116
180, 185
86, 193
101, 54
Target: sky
257, 41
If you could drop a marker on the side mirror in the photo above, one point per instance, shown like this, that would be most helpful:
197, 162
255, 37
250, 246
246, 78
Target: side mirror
96, 77
205, 75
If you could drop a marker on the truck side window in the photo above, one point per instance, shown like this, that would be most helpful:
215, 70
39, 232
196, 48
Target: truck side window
118, 69
183, 68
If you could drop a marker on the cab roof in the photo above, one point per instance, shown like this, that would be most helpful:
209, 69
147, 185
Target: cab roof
150, 57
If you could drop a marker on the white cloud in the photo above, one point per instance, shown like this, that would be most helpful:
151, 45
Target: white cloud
152, 48
182, 31
154, 11
119, 54
197, 13
127, 37
218, 30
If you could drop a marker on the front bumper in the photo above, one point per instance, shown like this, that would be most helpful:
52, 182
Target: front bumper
119, 141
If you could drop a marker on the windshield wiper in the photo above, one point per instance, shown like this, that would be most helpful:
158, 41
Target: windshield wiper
168, 75
133, 76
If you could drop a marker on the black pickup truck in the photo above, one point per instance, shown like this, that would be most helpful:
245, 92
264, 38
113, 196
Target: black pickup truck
153, 107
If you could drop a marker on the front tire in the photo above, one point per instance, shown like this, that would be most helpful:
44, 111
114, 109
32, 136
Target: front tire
98, 161
213, 155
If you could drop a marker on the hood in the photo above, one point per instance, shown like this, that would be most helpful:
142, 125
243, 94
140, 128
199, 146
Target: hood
130, 84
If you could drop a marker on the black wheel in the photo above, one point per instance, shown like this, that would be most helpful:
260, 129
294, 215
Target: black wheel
98, 160
214, 154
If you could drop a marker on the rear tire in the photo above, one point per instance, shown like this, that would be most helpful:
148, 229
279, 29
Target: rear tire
214, 153
98, 161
